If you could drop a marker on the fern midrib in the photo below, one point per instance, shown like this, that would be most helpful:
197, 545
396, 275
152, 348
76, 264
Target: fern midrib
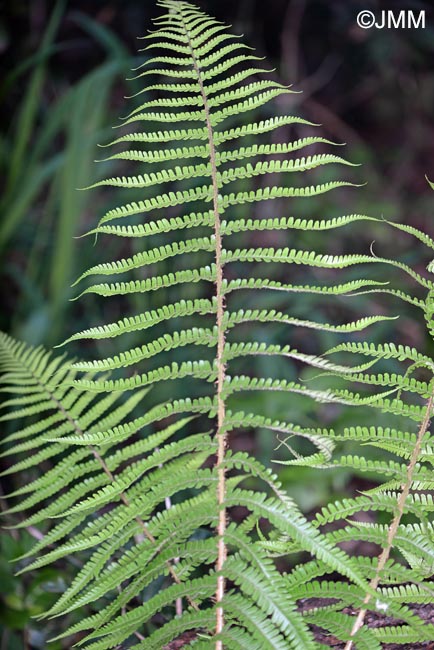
221, 435
394, 525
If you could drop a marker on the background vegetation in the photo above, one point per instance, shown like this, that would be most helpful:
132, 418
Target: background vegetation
63, 91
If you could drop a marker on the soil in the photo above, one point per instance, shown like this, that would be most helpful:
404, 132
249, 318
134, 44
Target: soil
182, 641
373, 619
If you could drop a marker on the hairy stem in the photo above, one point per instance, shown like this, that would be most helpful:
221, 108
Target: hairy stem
394, 525
221, 369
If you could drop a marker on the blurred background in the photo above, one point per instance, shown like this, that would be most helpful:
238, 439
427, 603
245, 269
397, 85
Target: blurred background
62, 89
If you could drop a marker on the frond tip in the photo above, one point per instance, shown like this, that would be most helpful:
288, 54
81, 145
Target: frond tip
225, 278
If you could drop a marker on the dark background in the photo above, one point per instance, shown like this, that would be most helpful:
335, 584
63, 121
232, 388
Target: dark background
373, 89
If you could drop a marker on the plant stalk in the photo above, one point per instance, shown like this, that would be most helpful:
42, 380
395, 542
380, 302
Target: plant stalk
394, 525
221, 369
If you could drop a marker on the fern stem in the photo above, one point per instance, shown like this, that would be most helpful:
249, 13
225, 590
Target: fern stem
178, 601
123, 497
221, 369
394, 525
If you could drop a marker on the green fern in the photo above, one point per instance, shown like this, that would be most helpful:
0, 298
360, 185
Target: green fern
147, 496
403, 495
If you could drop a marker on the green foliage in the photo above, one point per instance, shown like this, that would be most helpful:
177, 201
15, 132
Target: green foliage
39, 204
176, 528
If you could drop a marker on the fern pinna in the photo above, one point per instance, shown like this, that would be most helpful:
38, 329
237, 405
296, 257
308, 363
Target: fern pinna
162, 486
407, 399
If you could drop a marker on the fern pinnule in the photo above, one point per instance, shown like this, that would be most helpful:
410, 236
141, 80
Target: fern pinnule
78, 413
402, 495
218, 102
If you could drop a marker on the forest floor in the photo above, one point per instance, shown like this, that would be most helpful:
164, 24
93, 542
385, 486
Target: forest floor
373, 620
